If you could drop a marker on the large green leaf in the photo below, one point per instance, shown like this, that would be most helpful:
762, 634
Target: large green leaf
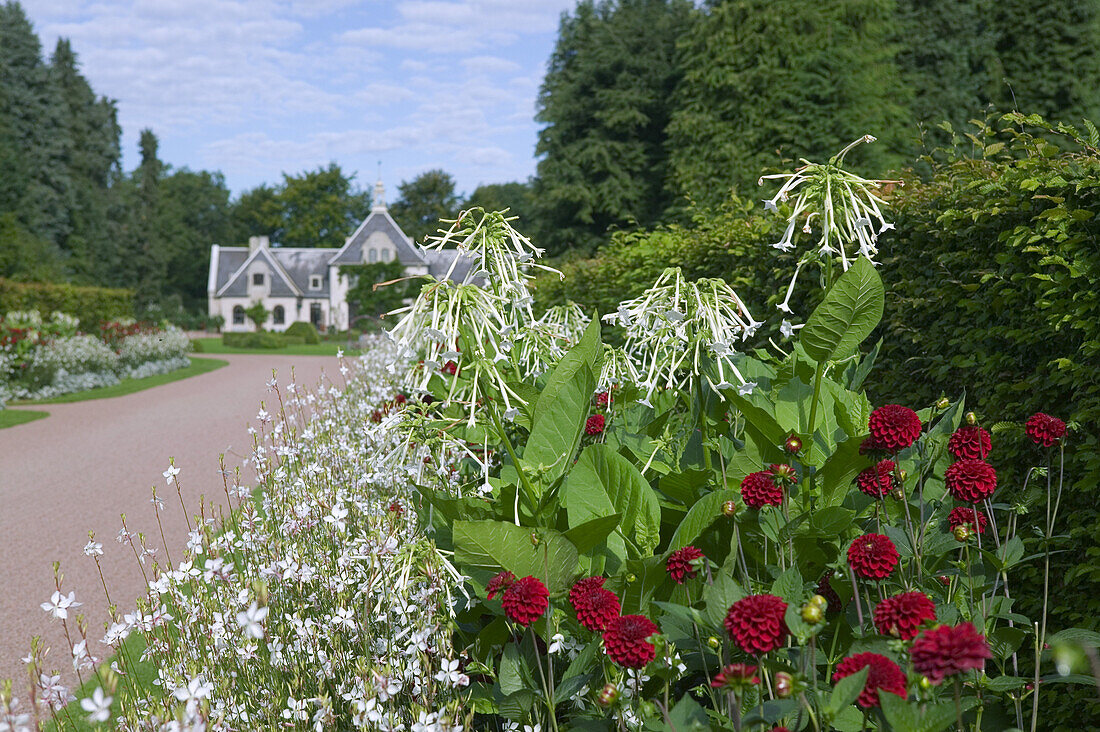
502, 545
704, 513
604, 482
847, 315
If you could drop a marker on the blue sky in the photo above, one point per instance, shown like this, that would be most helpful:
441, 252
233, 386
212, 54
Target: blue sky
254, 88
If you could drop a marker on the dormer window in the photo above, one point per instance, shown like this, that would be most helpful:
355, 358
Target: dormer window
315, 282
258, 279
372, 255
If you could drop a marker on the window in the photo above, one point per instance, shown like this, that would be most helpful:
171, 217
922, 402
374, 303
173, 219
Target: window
372, 255
315, 282
258, 279
278, 315
238, 315
385, 255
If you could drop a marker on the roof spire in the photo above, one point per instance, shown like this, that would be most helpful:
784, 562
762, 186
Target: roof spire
379, 203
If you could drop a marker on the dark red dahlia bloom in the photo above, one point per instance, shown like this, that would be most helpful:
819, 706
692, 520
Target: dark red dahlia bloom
963, 516
603, 399
946, 651
884, 674
594, 425
735, 677
970, 442
625, 640
825, 589
583, 587
679, 563
970, 480
596, 608
761, 489
756, 624
877, 480
526, 600
873, 556
501, 582
1044, 430
894, 427
902, 615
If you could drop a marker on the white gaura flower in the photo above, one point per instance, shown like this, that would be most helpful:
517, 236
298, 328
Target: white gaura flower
93, 549
59, 604
196, 690
251, 621
98, 706
170, 474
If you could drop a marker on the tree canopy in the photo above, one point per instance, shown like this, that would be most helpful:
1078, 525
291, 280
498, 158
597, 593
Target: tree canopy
423, 201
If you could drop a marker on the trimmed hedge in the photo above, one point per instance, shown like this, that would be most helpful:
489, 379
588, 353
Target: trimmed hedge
263, 340
93, 305
305, 331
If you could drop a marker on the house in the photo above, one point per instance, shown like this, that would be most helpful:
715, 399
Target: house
305, 285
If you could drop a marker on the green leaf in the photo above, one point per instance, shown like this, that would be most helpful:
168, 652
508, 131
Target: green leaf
840, 470
687, 716
831, 521
591, 533
705, 512
514, 674
789, 586
718, 597
502, 545
604, 482
847, 315
847, 690
909, 716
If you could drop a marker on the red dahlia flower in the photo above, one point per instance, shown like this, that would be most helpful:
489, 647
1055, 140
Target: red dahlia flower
526, 600
756, 624
581, 587
761, 489
873, 556
877, 480
735, 677
946, 651
625, 640
963, 516
1045, 430
970, 442
680, 565
902, 615
894, 427
594, 425
603, 399
970, 480
501, 582
596, 608
884, 674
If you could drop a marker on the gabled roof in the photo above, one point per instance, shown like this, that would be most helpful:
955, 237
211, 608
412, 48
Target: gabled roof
237, 283
378, 221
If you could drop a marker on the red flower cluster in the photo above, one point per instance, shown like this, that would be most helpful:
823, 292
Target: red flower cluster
594, 425
970, 442
679, 563
603, 399
450, 368
884, 674
902, 615
625, 640
501, 582
735, 677
893, 428
873, 556
595, 606
877, 480
963, 516
756, 623
761, 489
946, 651
525, 600
970, 480
1044, 430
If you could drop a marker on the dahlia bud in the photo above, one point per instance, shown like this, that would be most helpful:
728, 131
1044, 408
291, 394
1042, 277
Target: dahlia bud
813, 614
898, 493
534, 539
784, 685
631, 578
961, 532
943, 403
793, 444
729, 508
926, 683
944, 580
608, 694
784, 473
713, 642
903, 473
971, 418
820, 601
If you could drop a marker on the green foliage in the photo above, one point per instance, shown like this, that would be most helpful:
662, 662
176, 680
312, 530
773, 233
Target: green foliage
303, 330
423, 201
260, 340
23, 256
92, 305
605, 103
258, 314
518, 198
319, 208
369, 294
846, 316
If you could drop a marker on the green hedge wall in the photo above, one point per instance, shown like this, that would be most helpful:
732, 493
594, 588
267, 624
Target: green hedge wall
93, 305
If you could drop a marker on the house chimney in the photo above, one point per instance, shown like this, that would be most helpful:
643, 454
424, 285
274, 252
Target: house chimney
258, 242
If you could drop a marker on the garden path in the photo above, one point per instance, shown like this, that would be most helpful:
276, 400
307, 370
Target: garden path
89, 462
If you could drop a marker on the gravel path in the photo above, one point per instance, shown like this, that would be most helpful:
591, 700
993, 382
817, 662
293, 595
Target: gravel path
89, 462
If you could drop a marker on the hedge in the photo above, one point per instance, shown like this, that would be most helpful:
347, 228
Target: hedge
93, 305
263, 339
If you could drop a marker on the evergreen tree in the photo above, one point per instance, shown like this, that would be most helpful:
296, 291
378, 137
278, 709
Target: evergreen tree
605, 104
193, 213
767, 80
149, 253
1049, 56
423, 201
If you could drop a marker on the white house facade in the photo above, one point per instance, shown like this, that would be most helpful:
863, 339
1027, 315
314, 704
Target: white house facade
305, 284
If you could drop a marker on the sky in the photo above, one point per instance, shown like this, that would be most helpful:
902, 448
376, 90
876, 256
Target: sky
256, 88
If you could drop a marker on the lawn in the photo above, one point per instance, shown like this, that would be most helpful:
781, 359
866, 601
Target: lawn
12, 417
326, 348
129, 386
144, 673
